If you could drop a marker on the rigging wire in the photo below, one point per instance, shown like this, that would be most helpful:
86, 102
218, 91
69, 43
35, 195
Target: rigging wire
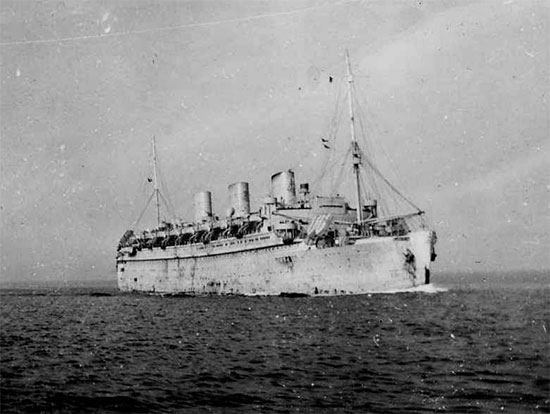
377, 171
376, 145
142, 191
144, 209
376, 191
163, 188
167, 201
335, 185
163, 191
332, 135
392, 193
167, 206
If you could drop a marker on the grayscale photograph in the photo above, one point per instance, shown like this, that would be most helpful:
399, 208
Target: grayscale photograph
274, 206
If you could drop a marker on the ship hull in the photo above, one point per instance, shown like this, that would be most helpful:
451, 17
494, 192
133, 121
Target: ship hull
370, 265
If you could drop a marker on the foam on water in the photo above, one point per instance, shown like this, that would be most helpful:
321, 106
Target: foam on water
430, 288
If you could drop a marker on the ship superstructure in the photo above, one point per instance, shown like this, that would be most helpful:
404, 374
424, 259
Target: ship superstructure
294, 243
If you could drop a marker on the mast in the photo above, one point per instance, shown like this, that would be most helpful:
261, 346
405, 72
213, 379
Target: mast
155, 180
356, 153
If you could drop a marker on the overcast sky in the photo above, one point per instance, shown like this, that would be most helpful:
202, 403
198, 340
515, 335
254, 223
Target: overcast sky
455, 95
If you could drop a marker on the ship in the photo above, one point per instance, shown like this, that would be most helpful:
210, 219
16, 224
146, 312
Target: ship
295, 243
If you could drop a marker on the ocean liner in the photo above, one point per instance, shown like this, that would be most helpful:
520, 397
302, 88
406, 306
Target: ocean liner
296, 243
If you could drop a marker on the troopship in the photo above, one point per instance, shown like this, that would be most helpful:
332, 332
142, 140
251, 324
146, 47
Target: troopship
295, 243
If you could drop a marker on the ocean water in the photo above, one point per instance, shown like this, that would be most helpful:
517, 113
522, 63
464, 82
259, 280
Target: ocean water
479, 345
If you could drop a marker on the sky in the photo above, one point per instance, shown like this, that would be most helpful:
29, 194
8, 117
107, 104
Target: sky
455, 97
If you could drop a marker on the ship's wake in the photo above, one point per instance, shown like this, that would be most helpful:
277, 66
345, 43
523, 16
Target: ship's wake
419, 289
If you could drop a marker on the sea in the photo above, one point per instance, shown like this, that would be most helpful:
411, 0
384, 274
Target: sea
472, 343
